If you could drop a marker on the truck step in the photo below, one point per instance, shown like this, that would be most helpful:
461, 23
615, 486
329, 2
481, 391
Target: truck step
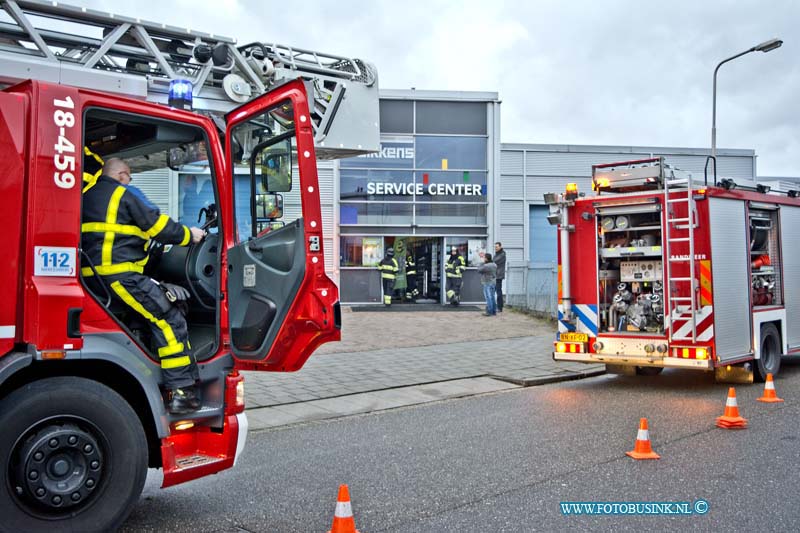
677, 200
678, 220
680, 279
679, 239
682, 181
192, 461
680, 299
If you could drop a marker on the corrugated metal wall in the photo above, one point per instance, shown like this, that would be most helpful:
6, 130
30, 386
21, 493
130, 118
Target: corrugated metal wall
157, 186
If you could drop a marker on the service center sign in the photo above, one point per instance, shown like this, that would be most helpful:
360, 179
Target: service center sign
434, 189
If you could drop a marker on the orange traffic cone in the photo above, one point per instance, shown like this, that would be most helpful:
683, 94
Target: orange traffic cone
731, 419
343, 521
642, 449
769, 392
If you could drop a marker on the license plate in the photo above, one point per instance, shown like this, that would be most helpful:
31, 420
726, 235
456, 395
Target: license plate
573, 337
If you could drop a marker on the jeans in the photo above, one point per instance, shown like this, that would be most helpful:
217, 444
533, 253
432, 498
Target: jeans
499, 289
489, 296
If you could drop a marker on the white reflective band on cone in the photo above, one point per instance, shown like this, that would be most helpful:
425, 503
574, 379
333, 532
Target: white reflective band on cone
343, 510
731, 402
769, 386
642, 435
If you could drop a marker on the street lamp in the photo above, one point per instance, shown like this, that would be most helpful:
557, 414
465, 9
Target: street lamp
766, 46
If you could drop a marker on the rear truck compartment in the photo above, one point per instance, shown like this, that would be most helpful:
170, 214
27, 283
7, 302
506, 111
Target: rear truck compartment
635, 298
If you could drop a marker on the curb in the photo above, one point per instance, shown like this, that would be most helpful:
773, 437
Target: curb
544, 380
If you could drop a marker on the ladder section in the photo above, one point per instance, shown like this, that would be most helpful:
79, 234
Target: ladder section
58, 43
681, 308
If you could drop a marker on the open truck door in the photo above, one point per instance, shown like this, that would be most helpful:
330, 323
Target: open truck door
281, 304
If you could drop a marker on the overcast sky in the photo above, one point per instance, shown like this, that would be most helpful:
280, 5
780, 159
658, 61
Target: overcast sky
567, 72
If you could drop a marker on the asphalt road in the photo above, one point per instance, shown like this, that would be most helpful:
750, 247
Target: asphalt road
504, 461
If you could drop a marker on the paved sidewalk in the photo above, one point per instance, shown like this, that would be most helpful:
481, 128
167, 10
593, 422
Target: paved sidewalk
388, 360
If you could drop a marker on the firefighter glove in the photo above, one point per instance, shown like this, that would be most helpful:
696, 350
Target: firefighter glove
175, 293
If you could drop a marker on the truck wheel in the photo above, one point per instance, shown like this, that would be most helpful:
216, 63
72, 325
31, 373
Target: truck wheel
770, 360
73, 455
648, 370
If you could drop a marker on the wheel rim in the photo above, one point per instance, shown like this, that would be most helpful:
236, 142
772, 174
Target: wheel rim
768, 352
57, 465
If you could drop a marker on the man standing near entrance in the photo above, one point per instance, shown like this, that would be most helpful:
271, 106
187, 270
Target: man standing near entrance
388, 268
500, 261
454, 269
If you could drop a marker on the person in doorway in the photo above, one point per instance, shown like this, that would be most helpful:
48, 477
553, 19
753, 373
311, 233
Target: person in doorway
411, 279
500, 261
488, 272
454, 270
117, 226
388, 268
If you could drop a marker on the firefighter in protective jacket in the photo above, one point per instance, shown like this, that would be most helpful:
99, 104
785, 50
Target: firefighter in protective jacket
454, 270
389, 269
411, 278
115, 234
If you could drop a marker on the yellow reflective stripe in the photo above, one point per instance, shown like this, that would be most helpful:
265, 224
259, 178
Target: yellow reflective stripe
187, 236
102, 227
166, 351
111, 218
119, 268
175, 362
387, 276
160, 323
160, 224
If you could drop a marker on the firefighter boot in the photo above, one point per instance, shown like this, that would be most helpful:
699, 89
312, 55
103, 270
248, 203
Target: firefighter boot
183, 400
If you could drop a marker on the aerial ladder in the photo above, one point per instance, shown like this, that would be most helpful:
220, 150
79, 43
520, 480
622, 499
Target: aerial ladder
59, 43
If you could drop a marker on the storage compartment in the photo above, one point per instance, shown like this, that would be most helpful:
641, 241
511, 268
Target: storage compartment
631, 269
765, 257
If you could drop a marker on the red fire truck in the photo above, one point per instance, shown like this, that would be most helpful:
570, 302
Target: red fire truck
659, 270
82, 415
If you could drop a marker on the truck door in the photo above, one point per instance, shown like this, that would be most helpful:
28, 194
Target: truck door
281, 304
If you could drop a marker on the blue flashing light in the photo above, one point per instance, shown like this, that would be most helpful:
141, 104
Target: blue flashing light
180, 94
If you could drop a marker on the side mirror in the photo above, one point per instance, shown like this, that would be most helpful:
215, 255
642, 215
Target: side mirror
275, 163
267, 226
269, 206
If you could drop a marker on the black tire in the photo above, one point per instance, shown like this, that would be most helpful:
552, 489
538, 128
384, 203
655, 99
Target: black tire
648, 370
85, 439
770, 360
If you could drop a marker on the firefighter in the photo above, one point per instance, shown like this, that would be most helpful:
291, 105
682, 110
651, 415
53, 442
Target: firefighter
115, 234
411, 278
389, 269
454, 270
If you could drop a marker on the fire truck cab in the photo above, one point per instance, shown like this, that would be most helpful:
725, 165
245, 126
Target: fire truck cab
657, 269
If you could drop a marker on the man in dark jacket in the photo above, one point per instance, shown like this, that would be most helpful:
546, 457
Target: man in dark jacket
500, 261
115, 234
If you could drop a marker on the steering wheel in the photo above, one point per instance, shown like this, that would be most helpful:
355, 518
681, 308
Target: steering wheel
200, 267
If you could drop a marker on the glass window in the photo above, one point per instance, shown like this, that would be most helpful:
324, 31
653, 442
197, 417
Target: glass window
451, 214
196, 193
264, 145
375, 213
361, 251
397, 116
451, 117
452, 186
451, 153
396, 152
362, 184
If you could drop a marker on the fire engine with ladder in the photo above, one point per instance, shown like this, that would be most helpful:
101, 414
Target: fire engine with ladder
81, 410
659, 269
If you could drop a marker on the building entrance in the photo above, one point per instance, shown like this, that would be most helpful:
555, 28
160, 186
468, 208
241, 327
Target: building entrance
424, 285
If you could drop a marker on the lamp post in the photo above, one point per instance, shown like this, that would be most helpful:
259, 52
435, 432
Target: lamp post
766, 46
